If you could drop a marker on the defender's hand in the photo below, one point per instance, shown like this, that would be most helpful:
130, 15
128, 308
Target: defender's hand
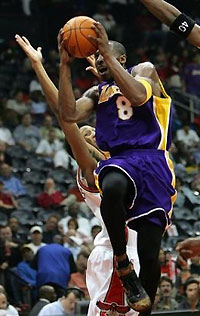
92, 67
34, 55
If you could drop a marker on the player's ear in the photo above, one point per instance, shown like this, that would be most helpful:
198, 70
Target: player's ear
122, 59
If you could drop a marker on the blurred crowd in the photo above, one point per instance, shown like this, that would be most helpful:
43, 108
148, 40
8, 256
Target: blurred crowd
47, 230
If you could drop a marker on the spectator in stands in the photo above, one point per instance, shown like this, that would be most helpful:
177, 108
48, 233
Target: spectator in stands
106, 19
49, 147
63, 159
26, 134
187, 136
24, 269
47, 126
10, 256
191, 76
5, 306
167, 302
83, 223
54, 265
72, 242
50, 197
18, 236
36, 239
78, 279
95, 230
12, 184
46, 295
5, 134
188, 143
195, 265
50, 229
16, 107
38, 106
4, 156
173, 73
166, 264
7, 200
191, 300
10, 252
34, 85
63, 306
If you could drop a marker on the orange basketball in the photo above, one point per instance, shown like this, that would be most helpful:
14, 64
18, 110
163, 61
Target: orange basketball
76, 32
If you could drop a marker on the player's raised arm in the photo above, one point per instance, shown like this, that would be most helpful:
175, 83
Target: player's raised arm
109, 56
177, 21
35, 57
70, 109
78, 144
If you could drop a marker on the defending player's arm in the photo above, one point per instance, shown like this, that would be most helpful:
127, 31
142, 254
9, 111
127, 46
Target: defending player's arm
35, 57
78, 144
177, 21
131, 88
70, 109
189, 248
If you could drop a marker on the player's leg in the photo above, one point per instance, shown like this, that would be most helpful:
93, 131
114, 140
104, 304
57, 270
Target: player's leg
148, 246
116, 189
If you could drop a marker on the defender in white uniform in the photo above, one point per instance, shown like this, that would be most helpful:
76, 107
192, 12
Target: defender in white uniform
102, 281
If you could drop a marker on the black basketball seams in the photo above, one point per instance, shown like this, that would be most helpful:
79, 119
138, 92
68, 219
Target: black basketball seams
86, 28
77, 28
70, 33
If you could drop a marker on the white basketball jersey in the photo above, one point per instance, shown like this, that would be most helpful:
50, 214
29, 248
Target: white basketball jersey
93, 200
100, 267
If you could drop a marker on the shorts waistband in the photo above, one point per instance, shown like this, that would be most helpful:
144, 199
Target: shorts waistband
138, 152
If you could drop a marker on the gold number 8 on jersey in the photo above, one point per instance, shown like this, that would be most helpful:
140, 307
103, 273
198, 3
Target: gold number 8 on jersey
125, 110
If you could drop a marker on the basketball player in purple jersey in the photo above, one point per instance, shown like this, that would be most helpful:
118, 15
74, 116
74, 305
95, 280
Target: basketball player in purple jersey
188, 29
177, 21
134, 116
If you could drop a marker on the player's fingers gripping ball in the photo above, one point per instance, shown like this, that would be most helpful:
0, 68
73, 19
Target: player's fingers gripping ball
76, 36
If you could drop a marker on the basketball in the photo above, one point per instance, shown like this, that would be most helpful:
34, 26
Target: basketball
76, 39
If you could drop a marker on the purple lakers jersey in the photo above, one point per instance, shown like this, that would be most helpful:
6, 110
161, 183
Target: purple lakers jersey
119, 126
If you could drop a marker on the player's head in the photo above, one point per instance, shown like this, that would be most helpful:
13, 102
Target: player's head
118, 51
88, 133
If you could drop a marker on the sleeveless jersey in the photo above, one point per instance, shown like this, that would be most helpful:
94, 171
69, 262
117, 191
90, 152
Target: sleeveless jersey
93, 200
119, 126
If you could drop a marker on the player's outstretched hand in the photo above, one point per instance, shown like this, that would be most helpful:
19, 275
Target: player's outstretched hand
101, 39
92, 67
34, 55
189, 248
65, 58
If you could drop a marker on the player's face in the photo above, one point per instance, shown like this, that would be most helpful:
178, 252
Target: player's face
101, 67
88, 133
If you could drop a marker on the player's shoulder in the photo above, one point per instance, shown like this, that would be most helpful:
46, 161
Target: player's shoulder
92, 92
143, 68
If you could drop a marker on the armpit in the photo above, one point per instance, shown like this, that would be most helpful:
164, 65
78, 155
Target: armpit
92, 93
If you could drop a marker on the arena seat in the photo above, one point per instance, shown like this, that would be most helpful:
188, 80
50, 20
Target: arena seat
61, 175
184, 227
24, 217
3, 218
34, 177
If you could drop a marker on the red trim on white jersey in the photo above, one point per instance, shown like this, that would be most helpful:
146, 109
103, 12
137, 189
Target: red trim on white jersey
83, 185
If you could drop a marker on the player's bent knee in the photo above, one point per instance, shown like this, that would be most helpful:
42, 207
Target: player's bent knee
115, 185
